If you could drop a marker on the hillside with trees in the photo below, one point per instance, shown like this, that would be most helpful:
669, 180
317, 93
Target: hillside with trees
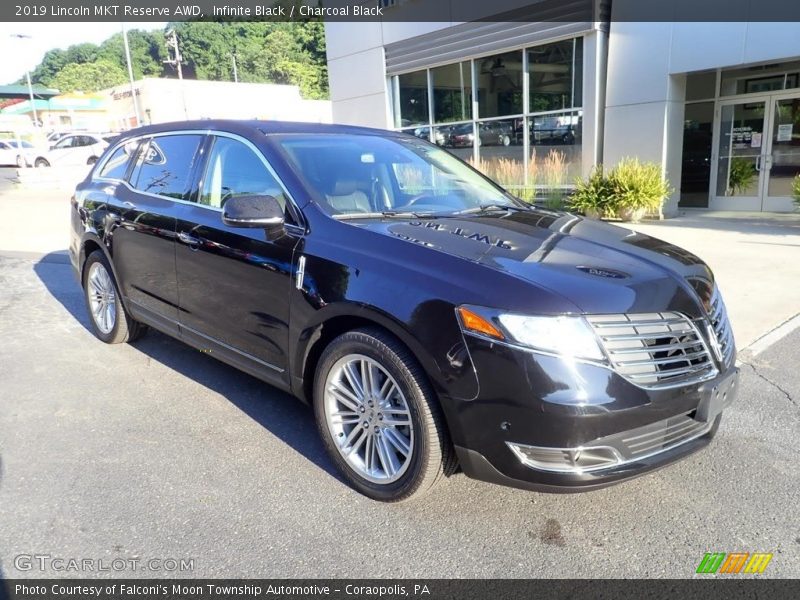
264, 52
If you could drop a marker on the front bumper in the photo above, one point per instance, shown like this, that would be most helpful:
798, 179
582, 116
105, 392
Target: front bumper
533, 405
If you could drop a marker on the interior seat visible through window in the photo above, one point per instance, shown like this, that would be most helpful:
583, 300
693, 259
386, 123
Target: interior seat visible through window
235, 170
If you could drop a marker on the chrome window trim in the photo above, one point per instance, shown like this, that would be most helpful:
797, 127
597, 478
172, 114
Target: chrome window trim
204, 132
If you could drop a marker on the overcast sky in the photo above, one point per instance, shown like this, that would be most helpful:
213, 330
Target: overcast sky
19, 55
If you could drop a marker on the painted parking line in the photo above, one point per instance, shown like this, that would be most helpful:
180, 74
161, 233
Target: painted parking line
777, 334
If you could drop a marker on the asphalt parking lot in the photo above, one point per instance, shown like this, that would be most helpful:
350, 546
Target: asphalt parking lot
156, 451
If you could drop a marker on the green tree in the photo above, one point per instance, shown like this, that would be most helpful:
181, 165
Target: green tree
89, 77
52, 62
147, 52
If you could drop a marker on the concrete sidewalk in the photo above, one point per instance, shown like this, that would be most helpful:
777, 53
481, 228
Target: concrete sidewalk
755, 257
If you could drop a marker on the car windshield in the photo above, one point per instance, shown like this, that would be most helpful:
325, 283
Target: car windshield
368, 175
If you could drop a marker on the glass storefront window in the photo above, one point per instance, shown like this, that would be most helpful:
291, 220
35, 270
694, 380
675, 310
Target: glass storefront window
752, 80
497, 127
555, 148
452, 92
412, 99
556, 76
785, 160
502, 156
698, 128
499, 83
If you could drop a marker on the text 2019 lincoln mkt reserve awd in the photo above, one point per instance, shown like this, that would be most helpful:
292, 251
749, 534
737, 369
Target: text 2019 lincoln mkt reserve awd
433, 321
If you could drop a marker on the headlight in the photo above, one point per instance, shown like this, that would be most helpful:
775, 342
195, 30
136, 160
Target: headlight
562, 335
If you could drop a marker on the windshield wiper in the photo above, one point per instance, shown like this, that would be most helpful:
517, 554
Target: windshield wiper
386, 213
493, 206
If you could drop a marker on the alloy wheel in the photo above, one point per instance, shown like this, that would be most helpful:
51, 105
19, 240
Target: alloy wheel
102, 298
369, 419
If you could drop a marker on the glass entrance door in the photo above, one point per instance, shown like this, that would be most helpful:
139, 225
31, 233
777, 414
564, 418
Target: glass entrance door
758, 153
741, 151
782, 154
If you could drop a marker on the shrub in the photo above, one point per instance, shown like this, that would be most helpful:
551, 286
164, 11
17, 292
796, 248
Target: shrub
594, 195
796, 191
637, 185
741, 175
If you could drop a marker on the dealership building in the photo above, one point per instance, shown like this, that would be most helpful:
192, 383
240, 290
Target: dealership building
540, 102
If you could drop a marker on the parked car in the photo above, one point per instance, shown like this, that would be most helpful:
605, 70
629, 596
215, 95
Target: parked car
491, 133
440, 134
552, 130
20, 153
76, 149
432, 320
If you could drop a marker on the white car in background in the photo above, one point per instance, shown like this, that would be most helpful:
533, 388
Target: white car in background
74, 149
19, 153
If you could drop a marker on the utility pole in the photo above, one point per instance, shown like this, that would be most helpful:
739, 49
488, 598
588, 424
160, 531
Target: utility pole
130, 76
21, 36
175, 60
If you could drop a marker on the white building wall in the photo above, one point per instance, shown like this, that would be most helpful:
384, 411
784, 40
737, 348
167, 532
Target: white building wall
647, 63
163, 100
360, 92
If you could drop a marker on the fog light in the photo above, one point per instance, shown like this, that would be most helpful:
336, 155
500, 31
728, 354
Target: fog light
566, 460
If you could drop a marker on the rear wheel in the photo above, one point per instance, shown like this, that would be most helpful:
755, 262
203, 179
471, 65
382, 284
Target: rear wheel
41, 162
378, 417
91, 160
110, 321
20, 162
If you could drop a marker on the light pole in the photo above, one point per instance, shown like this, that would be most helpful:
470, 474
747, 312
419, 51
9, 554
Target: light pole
21, 36
130, 75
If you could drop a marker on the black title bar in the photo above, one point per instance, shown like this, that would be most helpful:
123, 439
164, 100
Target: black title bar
452, 11
396, 589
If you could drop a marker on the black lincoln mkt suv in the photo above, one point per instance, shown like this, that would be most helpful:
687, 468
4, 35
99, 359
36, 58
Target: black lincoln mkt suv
432, 320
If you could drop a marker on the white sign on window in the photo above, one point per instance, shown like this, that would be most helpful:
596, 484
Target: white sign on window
755, 141
785, 133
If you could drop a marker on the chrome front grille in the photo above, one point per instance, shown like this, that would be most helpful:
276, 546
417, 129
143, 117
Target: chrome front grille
722, 327
654, 350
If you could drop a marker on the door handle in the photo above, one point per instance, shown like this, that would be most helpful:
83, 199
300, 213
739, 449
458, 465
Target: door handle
758, 163
190, 240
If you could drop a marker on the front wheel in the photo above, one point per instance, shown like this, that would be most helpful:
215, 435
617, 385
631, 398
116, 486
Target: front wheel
110, 321
378, 417
41, 162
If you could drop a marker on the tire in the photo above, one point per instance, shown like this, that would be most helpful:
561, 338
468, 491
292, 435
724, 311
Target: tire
109, 320
407, 398
41, 162
91, 160
506, 140
21, 162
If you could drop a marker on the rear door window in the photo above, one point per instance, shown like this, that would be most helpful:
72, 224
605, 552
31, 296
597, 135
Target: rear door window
165, 165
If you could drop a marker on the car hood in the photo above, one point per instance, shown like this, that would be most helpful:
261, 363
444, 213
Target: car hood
600, 268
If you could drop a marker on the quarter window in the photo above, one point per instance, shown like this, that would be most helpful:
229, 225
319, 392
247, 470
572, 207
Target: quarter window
165, 164
233, 170
116, 166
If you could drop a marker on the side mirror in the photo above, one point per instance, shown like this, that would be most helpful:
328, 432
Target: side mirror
264, 212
